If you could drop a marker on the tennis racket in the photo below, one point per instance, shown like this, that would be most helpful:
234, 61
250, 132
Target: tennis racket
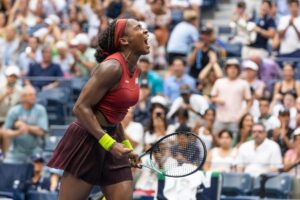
176, 155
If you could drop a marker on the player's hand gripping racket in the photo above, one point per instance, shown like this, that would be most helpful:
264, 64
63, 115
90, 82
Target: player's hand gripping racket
176, 155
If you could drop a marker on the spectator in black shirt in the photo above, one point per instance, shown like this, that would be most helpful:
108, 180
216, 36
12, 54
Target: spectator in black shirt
264, 28
200, 55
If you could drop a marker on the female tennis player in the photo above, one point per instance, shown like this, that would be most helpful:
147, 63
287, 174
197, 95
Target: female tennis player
94, 150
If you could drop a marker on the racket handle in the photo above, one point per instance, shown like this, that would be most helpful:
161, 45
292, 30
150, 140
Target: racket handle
152, 168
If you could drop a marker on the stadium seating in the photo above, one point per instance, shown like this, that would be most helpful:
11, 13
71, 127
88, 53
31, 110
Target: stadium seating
14, 173
277, 186
235, 184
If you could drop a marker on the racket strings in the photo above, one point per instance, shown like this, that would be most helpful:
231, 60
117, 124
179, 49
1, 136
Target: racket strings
179, 154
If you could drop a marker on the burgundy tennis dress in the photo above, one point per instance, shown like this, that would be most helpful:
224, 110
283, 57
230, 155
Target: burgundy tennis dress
79, 152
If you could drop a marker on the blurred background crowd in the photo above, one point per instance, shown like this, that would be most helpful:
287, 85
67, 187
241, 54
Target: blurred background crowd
236, 86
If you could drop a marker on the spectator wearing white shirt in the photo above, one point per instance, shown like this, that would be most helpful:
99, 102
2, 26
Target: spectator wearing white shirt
205, 132
221, 159
64, 58
194, 103
250, 72
32, 54
289, 31
260, 155
134, 131
266, 118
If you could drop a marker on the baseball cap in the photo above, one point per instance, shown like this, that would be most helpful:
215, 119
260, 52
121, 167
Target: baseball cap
144, 83
185, 89
189, 14
248, 64
284, 112
12, 70
38, 158
81, 38
159, 100
232, 61
206, 29
296, 132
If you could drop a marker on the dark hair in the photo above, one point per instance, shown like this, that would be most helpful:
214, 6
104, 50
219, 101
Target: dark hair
144, 59
222, 132
267, 2
182, 112
293, 1
105, 45
241, 4
209, 109
181, 59
243, 119
236, 66
150, 126
264, 99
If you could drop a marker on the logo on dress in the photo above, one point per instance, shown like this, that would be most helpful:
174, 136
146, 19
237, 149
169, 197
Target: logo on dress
126, 81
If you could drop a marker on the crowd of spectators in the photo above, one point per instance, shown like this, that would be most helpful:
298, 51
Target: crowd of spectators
245, 108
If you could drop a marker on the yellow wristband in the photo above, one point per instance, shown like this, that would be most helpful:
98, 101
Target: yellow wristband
106, 141
127, 144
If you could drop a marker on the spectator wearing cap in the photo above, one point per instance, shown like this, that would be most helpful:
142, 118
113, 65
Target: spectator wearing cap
39, 181
259, 155
202, 53
64, 58
25, 125
43, 178
283, 134
266, 118
292, 156
268, 70
228, 94
32, 54
289, 32
142, 109
153, 80
195, 104
84, 55
179, 77
183, 36
45, 73
10, 93
264, 29
250, 70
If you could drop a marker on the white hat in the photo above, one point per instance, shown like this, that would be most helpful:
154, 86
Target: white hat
81, 38
248, 64
52, 19
232, 61
12, 70
160, 100
296, 132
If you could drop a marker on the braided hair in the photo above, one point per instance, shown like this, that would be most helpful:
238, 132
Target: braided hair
105, 46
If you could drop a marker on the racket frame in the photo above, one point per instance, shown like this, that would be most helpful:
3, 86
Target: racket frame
150, 152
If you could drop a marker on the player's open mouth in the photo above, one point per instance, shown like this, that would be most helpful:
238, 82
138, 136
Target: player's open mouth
146, 40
